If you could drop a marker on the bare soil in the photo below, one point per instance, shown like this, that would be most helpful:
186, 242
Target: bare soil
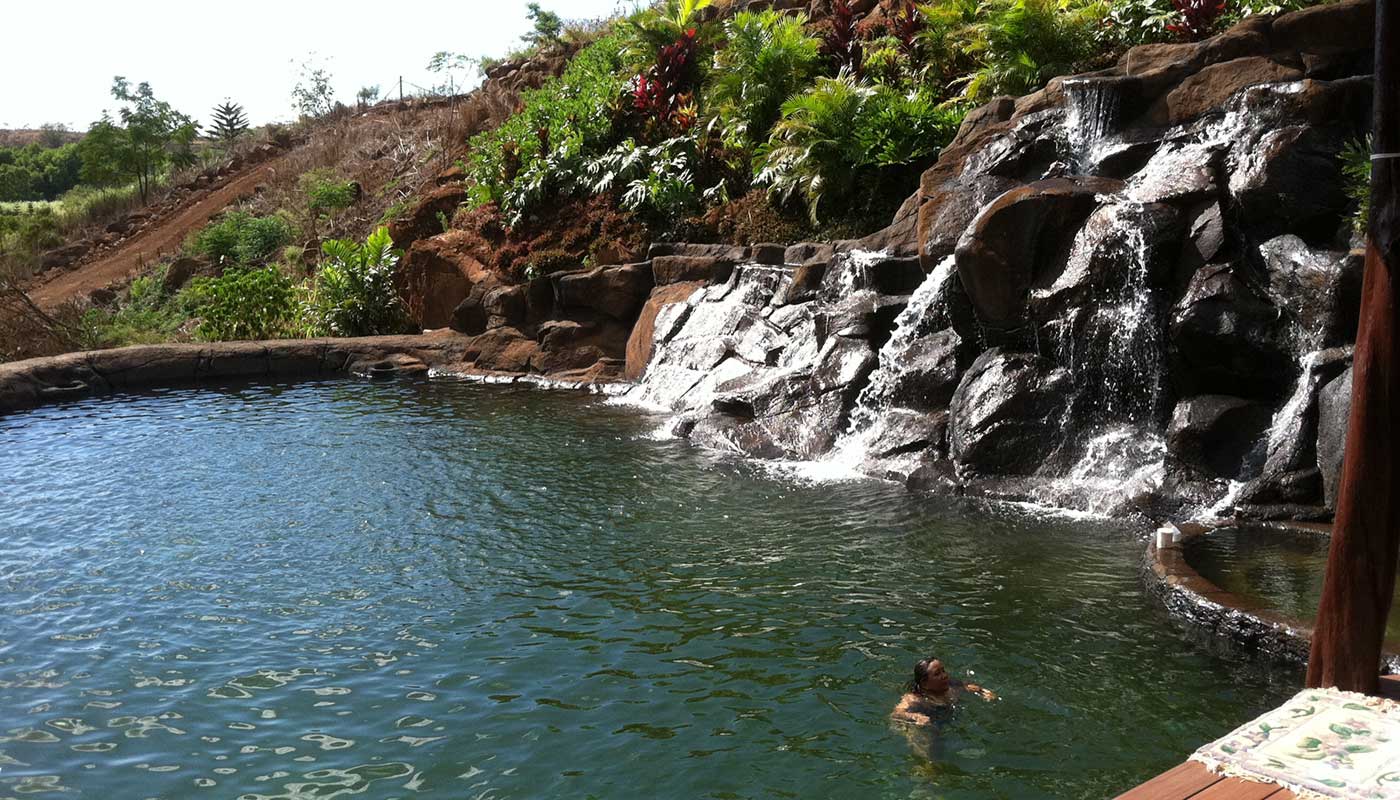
151, 244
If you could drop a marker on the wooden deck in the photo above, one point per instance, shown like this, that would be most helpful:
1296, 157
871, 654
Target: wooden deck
1192, 780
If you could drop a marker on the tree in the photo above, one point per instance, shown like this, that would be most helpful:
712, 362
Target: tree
229, 122
451, 66
548, 26
1359, 586
367, 96
147, 136
312, 94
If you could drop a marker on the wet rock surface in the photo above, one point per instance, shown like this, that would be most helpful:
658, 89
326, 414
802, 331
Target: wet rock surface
1130, 292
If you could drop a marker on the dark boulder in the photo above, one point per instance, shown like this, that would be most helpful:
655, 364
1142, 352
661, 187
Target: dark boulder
1006, 414
1289, 180
1218, 435
1319, 288
618, 292
946, 215
1225, 339
1019, 237
929, 369
1334, 414
65, 256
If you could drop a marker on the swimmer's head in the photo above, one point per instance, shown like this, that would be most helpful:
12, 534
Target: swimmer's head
930, 677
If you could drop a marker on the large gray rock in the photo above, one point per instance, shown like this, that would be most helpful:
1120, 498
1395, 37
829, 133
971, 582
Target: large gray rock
1006, 414
1218, 434
1334, 412
1225, 339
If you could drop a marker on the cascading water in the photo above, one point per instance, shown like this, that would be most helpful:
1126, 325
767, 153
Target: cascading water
925, 305
1115, 351
1090, 119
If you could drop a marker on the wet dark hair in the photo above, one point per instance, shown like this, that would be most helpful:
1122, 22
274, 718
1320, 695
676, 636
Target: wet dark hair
921, 669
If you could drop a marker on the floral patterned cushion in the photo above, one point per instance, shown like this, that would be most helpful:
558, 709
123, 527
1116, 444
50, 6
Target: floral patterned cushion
1322, 742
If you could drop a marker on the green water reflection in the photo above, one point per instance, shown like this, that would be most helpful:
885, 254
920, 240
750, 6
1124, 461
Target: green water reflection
447, 590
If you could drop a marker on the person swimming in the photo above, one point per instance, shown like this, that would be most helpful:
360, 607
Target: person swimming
932, 691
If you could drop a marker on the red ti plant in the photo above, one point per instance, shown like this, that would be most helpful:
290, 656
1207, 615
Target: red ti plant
1197, 17
842, 43
905, 23
662, 92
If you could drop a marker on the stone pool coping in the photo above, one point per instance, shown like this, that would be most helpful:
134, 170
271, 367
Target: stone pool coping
1227, 616
40, 381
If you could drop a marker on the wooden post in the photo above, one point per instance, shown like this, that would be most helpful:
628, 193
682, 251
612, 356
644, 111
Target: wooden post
1361, 562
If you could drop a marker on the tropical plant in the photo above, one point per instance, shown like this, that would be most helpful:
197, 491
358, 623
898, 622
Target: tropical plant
542, 148
842, 43
151, 136
229, 122
768, 57
1021, 44
660, 180
1356, 169
664, 94
809, 154
1197, 18
354, 293
244, 303
241, 239
645, 32
833, 136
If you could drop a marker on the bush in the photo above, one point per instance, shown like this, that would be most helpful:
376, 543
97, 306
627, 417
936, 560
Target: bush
540, 150
244, 303
831, 137
325, 191
768, 58
240, 238
1021, 44
1356, 168
354, 293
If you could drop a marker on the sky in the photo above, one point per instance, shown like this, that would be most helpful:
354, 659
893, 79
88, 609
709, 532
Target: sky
60, 57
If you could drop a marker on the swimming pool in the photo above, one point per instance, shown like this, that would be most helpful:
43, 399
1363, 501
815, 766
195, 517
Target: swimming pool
440, 589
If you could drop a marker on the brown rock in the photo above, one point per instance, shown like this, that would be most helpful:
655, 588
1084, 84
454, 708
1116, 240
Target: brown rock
681, 269
641, 342
438, 275
423, 222
616, 291
1338, 27
1011, 241
1212, 86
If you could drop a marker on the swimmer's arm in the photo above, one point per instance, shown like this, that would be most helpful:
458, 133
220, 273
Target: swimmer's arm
981, 691
902, 713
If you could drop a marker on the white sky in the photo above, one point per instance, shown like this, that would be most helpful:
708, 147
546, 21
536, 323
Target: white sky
59, 56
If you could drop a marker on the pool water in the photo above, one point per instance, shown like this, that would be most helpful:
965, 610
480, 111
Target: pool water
1280, 570
442, 589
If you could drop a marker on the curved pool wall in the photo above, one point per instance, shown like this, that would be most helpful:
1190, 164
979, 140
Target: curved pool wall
37, 381
1226, 618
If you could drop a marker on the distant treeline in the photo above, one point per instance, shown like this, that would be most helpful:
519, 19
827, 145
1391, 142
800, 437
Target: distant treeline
35, 172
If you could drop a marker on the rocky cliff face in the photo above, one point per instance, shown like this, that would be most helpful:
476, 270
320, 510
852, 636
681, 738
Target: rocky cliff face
1134, 290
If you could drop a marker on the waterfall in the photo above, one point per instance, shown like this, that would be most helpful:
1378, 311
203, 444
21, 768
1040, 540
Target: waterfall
927, 301
1091, 117
1116, 465
1115, 350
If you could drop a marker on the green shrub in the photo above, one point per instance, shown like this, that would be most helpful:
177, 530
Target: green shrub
241, 239
660, 180
1356, 168
768, 58
1021, 44
354, 293
244, 303
540, 150
325, 191
832, 137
